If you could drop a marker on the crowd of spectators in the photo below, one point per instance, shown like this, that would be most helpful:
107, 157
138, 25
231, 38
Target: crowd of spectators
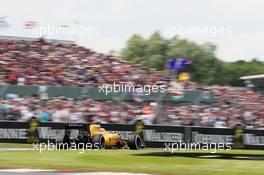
232, 106
71, 110
58, 64
66, 64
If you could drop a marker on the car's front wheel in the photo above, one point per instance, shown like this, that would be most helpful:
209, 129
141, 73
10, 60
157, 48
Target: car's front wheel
134, 142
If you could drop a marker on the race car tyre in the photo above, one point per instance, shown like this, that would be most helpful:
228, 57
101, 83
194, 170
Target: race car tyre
98, 141
134, 142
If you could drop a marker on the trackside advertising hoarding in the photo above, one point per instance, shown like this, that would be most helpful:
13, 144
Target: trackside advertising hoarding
154, 135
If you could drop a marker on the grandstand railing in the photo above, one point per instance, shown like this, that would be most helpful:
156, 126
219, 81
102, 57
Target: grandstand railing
93, 92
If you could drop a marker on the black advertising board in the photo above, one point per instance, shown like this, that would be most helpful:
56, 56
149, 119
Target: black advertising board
154, 135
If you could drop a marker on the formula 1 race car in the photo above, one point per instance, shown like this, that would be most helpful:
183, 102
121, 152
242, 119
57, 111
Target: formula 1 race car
96, 135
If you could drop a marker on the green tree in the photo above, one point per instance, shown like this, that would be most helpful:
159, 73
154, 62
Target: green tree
154, 51
136, 48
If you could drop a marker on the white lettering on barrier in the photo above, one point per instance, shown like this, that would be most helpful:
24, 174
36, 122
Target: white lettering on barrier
49, 133
7, 133
211, 138
252, 139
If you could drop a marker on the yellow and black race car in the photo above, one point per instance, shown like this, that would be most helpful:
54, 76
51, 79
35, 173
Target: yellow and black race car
96, 135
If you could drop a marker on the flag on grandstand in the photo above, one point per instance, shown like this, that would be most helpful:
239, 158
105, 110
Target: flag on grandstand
170, 64
30, 24
183, 76
3, 22
177, 64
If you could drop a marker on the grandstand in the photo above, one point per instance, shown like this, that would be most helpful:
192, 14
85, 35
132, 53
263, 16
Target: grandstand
255, 81
58, 81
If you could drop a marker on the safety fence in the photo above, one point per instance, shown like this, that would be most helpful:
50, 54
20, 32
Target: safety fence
154, 135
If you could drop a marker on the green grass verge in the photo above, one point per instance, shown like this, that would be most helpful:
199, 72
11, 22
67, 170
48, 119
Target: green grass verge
15, 145
132, 161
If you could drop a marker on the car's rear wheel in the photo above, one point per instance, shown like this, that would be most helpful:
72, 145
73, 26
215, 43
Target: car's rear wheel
134, 142
98, 141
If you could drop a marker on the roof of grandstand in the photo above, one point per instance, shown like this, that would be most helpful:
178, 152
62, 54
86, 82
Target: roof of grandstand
17, 38
250, 77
